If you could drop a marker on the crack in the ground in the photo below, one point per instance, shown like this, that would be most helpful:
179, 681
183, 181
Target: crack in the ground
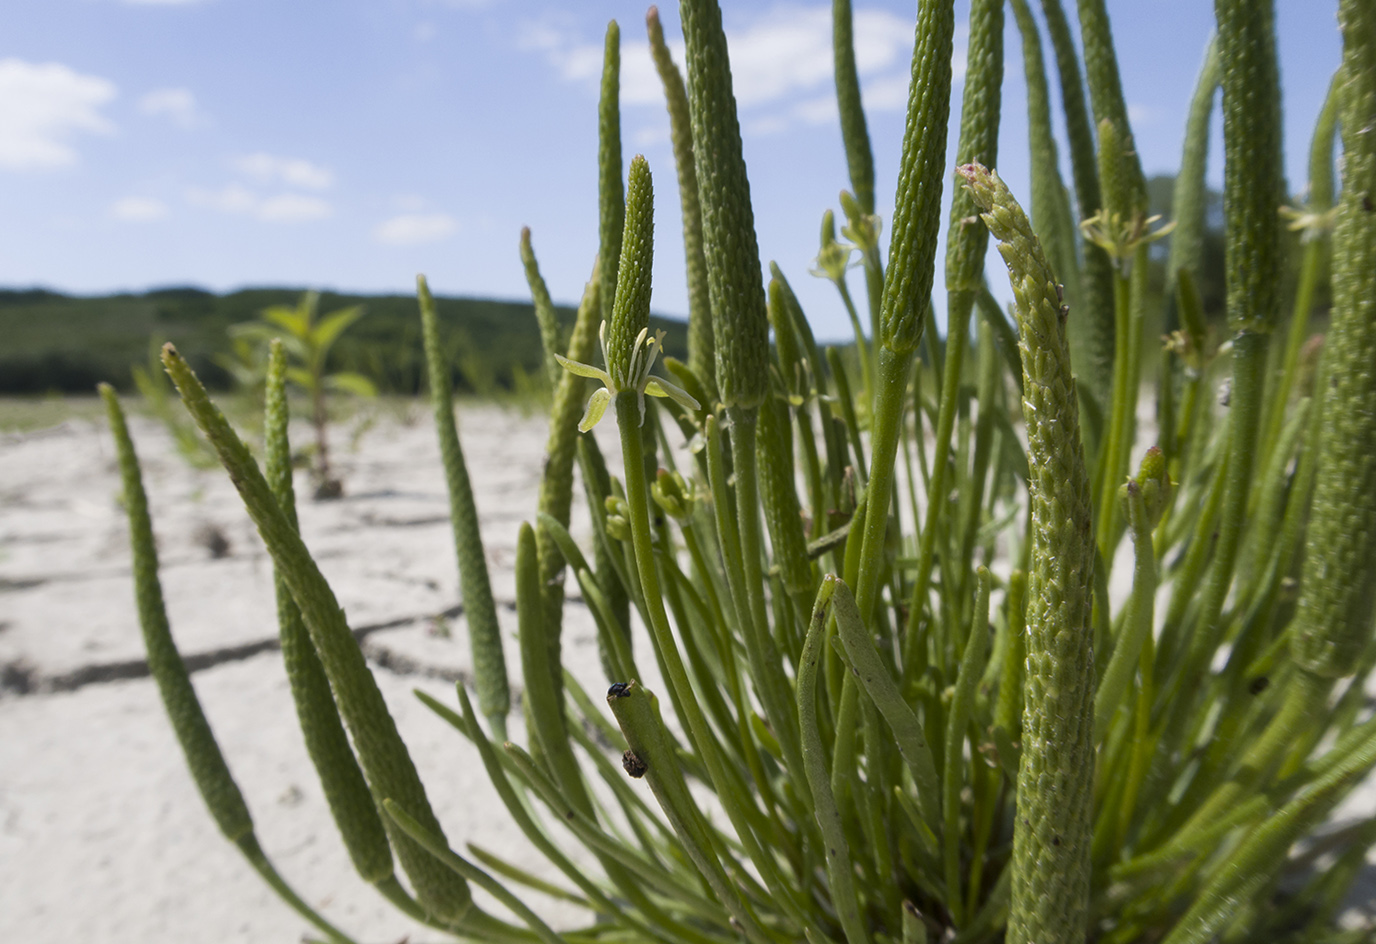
399, 664
19, 677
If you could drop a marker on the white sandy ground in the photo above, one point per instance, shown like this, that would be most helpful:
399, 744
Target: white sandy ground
103, 837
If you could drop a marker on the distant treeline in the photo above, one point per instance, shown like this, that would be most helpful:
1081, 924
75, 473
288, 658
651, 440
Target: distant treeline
51, 342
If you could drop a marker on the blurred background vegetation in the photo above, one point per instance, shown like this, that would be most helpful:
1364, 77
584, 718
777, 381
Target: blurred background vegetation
56, 343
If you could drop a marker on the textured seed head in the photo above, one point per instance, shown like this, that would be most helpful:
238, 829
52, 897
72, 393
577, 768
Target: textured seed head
631, 309
734, 279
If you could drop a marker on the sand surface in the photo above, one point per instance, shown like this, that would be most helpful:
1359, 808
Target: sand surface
103, 837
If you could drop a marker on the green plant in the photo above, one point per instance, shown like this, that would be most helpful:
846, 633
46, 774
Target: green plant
307, 340
953, 733
158, 396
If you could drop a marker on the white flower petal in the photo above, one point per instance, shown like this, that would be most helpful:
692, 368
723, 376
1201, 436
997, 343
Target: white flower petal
659, 387
597, 405
582, 370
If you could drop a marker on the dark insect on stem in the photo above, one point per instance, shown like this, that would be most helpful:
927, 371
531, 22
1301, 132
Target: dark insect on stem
633, 764
619, 689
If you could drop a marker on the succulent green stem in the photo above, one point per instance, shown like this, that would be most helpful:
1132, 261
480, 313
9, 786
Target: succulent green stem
700, 342
386, 762
480, 613
1051, 837
206, 762
355, 814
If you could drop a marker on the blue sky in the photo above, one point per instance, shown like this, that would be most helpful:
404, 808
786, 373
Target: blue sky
350, 144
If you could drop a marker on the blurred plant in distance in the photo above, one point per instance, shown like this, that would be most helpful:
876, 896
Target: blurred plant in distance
877, 586
307, 340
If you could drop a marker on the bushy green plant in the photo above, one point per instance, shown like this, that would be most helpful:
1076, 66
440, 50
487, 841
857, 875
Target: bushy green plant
900, 674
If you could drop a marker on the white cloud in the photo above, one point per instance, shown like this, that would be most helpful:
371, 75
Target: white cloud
238, 200
292, 171
413, 229
889, 93
781, 60
555, 36
178, 104
292, 208
235, 198
817, 111
42, 107
1140, 114
138, 209
651, 136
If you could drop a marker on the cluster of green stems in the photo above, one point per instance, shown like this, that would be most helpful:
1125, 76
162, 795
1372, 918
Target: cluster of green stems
899, 701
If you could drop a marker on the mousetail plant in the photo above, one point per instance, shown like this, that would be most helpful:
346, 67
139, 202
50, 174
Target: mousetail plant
896, 644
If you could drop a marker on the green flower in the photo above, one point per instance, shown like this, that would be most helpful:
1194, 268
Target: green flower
1120, 235
1311, 224
834, 258
637, 378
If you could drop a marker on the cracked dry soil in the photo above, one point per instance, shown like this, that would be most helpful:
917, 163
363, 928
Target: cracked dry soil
103, 836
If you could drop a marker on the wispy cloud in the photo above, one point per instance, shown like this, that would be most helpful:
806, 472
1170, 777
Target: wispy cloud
292, 171
292, 208
414, 229
556, 37
177, 104
42, 107
238, 200
138, 209
781, 62
1141, 114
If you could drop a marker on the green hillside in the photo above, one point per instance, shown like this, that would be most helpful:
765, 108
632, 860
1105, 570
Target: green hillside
55, 342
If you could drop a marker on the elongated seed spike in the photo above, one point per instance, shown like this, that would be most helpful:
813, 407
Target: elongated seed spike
779, 495
1338, 581
829, 821
1189, 204
385, 759
1051, 838
734, 279
1052, 215
786, 340
485, 635
1253, 179
556, 485
1106, 96
917, 206
203, 758
611, 195
545, 714
545, 315
625, 340
1113, 173
351, 805
854, 131
208, 768
701, 359
981, 100
1092, 328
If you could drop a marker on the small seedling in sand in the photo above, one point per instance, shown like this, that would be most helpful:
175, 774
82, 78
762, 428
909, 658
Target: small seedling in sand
307, 340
